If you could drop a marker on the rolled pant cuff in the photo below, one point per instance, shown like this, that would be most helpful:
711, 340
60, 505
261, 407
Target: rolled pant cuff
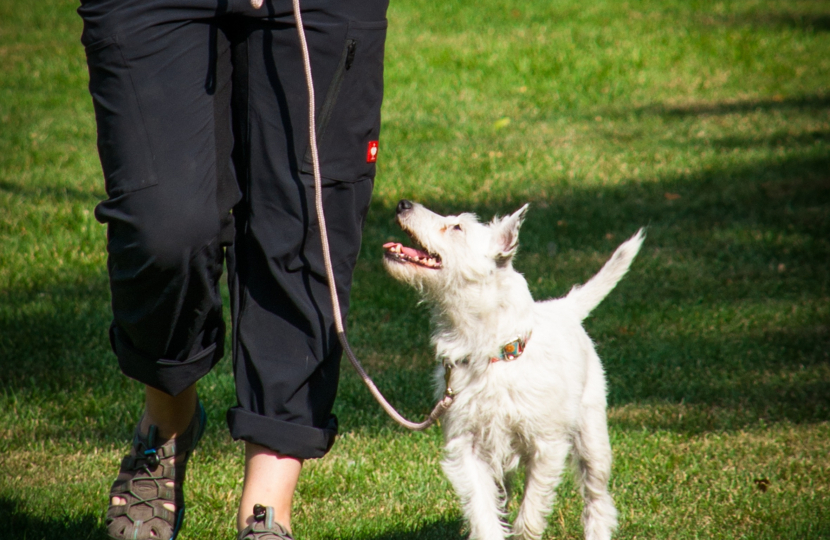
170, 376
284, 438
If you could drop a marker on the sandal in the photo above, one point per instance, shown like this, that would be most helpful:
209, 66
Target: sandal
143, 484
264, 527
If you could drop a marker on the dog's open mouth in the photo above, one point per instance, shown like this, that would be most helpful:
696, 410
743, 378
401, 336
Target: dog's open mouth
403, 254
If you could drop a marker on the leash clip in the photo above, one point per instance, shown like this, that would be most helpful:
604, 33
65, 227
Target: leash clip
449, 392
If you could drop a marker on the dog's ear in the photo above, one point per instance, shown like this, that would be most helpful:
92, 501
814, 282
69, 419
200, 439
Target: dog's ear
506, 236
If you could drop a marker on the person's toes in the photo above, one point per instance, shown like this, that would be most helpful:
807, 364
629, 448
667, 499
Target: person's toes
170, 506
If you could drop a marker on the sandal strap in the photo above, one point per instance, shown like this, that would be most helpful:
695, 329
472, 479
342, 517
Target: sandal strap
264, 526
146, 448
142, 483
163, 491
157, 512
151, 528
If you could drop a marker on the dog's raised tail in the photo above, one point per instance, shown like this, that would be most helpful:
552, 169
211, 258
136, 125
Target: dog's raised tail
586, 297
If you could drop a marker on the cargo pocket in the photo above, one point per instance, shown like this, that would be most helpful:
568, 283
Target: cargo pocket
123, 143
348, 122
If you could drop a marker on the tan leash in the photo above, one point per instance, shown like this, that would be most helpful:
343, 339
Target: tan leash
446, 401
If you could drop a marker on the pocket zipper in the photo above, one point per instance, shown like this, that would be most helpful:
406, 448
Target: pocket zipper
346, 61
350, 49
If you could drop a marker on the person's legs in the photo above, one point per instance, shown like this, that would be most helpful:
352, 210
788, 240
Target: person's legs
270, 480
286, 352
171, 415
162, 96
160, 83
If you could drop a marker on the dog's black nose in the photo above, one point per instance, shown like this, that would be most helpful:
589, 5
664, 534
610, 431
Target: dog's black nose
404, 205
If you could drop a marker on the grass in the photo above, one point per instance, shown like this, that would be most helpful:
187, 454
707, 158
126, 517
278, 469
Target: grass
707, 121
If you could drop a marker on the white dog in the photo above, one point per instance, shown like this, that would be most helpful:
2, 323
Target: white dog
529, 387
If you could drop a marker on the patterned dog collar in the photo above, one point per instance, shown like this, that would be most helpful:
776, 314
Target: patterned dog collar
512, 350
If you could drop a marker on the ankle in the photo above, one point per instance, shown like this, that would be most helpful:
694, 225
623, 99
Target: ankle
170, 414
165, 430
270, 480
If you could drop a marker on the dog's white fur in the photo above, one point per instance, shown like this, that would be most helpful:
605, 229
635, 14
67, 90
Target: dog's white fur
533, 411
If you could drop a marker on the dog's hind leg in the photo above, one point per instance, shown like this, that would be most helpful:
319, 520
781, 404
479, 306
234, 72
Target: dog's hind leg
543, 471
593, 470
475, 483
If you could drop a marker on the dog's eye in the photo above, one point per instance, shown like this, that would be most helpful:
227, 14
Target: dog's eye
456, 227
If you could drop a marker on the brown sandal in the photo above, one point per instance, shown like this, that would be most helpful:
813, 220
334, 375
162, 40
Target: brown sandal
142, 483
264, 527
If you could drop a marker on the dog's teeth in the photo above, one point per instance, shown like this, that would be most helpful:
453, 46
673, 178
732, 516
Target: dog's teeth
411, 255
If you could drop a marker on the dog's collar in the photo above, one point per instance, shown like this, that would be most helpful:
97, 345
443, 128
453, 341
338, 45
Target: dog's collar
512, 350
508, 352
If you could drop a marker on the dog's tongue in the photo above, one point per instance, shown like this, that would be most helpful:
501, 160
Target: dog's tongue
409, 252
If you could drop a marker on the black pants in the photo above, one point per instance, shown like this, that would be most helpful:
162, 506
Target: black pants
202, 116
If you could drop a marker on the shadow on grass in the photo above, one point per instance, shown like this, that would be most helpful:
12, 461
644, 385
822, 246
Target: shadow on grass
19, 525
738, 238
59, 372
816, 101
747, 247
438, 530
52, 332
819, 22
694, 385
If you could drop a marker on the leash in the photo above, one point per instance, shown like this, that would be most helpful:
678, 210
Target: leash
445, 402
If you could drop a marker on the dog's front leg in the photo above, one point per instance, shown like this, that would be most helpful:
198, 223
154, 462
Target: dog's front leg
476, 486
543, 471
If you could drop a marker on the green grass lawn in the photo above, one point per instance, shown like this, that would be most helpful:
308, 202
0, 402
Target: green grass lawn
709, 122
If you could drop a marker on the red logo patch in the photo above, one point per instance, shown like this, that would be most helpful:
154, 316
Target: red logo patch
372, 152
